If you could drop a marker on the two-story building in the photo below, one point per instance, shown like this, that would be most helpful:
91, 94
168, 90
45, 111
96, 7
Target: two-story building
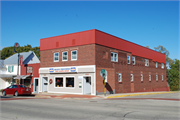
72, 64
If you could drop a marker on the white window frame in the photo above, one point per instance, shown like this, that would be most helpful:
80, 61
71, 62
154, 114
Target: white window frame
129, 59
156, 65
156, 77
112, 58
133, 60
162, 77
67, 55
56, 56
149, 77
55, 81
146, 62
162, 65
120, 80
141, 77
131, 77
72, 56
74, 82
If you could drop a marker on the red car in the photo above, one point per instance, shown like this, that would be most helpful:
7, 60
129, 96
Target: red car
16, 90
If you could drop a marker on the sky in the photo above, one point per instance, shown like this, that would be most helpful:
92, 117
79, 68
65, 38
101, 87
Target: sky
151, 23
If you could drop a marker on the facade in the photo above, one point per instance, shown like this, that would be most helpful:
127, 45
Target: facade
10, 71
72, 64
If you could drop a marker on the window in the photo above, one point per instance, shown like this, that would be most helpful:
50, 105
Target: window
149, 77
162, 77
120, 77
128, 59
133, 60
162, 65
156, 64
156, 77
131, 77
141, 77
59, 82
114, 57
146, 62
64, 56
74, 55
10, 69
56, 57
69, 81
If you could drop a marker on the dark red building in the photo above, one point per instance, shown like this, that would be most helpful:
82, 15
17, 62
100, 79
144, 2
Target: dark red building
72, 64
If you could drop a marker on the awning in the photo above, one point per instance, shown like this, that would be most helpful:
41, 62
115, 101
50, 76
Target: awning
6, 76
22, 76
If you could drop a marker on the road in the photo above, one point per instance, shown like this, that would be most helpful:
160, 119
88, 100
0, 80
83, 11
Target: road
130, 108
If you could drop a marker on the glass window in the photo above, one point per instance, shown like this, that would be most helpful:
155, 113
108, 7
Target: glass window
69, 81
146, 62
162, 65
131, 77
156, 64
74, 55
128, 59
22, 86
56, 57
64, 56
120, 77
162, 77
133, 60
141, 77
59, 82
10, 68
114, 57
149, 77
157, 77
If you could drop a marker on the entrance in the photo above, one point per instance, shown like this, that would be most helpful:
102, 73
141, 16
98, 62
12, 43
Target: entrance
36, 81
44, 84
86, 85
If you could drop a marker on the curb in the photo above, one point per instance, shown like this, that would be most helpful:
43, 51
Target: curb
117, 96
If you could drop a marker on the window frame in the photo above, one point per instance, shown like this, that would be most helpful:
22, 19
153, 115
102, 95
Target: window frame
67, 55
132, 78
162, 65
120, 80
55, 81
162, 77
156, 65
10, 68
114, 57
149, 77
129, 59
71, 55
56, 56
146, 61
141, 77
156, 77
74, 82
133, 60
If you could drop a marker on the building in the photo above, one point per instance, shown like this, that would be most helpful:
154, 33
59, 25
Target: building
10, 71
72, 64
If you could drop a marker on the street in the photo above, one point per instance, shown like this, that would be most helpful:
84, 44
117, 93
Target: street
130, 108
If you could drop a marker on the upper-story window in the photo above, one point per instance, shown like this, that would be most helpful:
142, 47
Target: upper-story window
141, 77
128, 59
131, 77
64, 56
162, 65
74, 55
10, 69
162, 77
146, 62
114, 57
156, 64
56, 57
120, 77
149, 77
133, 60
156, 77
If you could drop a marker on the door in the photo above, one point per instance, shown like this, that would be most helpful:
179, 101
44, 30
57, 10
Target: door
86, 85
36, 80
44, 84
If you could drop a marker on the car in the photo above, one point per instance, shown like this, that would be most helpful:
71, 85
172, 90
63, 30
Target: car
16, 90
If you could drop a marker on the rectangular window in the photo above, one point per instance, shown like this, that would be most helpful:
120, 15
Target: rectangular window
156, 77
133, 60
74, 55
10, 69
120, 77
162, 65
141, 77
156, 64
146, 62
149, 77
59, 82
162, 77
128, 59
64, 56
114, 57
56, 57
70, 82
131, 77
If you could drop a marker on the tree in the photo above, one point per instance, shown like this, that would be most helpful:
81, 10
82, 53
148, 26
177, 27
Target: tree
147, 46
173, 72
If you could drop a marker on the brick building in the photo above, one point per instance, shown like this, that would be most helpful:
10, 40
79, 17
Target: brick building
72, 64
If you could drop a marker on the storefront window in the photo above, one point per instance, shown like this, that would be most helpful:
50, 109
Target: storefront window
59, 82
69, 81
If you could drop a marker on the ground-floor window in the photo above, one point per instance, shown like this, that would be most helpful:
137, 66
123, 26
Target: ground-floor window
69, 81
59, 82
